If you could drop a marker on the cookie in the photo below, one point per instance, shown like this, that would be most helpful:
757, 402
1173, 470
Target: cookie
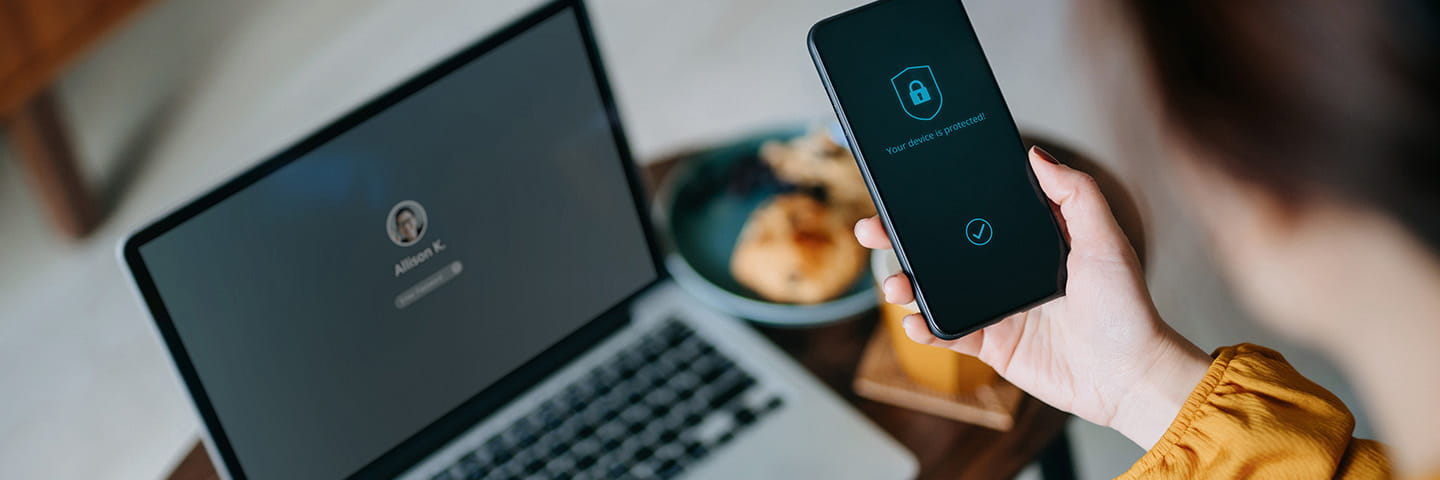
794, 249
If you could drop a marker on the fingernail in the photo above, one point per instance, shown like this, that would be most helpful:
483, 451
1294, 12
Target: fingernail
1044, 155
914, 326
906, 324
888, 286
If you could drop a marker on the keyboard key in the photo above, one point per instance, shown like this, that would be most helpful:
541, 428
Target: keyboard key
670, 450
641, 470
610, 430
713, 427
668, 469
688, 350
710, 370
635, 413
661, 396
588, 446
469, 465
606, 375
560, 466
731, 391
616, 470
509, 470
496, 448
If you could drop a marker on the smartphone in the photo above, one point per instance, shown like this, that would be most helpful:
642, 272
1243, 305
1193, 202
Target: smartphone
943, 161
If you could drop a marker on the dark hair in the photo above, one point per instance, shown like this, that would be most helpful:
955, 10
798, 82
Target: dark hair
403, 210
1307, 99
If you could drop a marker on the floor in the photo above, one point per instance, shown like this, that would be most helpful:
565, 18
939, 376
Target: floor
196, 90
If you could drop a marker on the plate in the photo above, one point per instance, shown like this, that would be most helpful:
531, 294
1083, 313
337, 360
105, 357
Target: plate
700, 211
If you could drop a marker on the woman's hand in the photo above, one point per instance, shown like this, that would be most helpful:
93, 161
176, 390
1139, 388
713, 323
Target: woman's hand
1100, 352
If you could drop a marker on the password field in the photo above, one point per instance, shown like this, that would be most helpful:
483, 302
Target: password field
428, 284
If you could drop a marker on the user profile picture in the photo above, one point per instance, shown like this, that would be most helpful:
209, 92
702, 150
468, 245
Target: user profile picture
406, 223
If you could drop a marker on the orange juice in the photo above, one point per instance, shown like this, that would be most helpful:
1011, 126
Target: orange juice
938, 369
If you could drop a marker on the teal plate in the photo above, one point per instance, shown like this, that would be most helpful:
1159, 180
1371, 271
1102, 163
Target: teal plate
701, 210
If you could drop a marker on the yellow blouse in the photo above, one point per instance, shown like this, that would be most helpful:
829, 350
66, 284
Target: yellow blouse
1254, 416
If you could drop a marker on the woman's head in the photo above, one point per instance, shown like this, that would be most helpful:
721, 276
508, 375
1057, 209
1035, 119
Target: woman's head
406, 225
1294, 118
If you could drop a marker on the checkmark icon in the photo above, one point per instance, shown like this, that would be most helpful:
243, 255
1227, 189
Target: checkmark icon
979, 232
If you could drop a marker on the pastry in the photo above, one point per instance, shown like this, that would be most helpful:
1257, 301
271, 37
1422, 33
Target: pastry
814, 160
795, 249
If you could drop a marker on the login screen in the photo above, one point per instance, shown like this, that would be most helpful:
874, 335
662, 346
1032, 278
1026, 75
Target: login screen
347, 300
928, 120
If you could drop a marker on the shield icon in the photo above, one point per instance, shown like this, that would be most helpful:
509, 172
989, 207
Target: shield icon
918, 92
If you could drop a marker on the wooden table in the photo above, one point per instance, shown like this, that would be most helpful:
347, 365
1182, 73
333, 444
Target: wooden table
946, 449
38, 39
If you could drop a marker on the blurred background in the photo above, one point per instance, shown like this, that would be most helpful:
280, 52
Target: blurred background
180, 94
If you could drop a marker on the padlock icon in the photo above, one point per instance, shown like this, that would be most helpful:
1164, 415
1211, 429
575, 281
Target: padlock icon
924, 93
918, 93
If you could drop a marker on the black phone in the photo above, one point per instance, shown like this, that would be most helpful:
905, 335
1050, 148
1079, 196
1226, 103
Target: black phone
943, 161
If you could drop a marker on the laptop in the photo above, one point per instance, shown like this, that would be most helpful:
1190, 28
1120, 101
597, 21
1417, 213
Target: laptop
458, 280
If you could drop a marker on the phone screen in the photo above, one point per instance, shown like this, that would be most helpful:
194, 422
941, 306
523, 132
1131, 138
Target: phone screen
944, 160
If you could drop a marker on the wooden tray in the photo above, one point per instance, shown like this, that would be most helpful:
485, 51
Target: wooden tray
879, 377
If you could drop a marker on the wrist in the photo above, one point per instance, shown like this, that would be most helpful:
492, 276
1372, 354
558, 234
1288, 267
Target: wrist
1150, 406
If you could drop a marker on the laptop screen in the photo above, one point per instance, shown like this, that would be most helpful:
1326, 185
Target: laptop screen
348, 299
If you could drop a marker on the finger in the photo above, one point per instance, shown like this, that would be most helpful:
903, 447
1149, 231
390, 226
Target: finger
919, 332
871, 233
897, 289
1086, 214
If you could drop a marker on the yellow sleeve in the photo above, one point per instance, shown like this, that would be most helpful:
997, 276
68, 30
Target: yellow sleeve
1254, 416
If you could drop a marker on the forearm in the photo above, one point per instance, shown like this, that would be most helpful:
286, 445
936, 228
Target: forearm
1148, 408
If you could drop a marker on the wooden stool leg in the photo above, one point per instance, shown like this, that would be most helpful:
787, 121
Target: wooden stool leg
196, 466
40, 138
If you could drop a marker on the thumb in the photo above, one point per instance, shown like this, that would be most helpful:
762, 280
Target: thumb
1085, 212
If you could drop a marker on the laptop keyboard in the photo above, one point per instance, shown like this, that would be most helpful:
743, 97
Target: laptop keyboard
651, 411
